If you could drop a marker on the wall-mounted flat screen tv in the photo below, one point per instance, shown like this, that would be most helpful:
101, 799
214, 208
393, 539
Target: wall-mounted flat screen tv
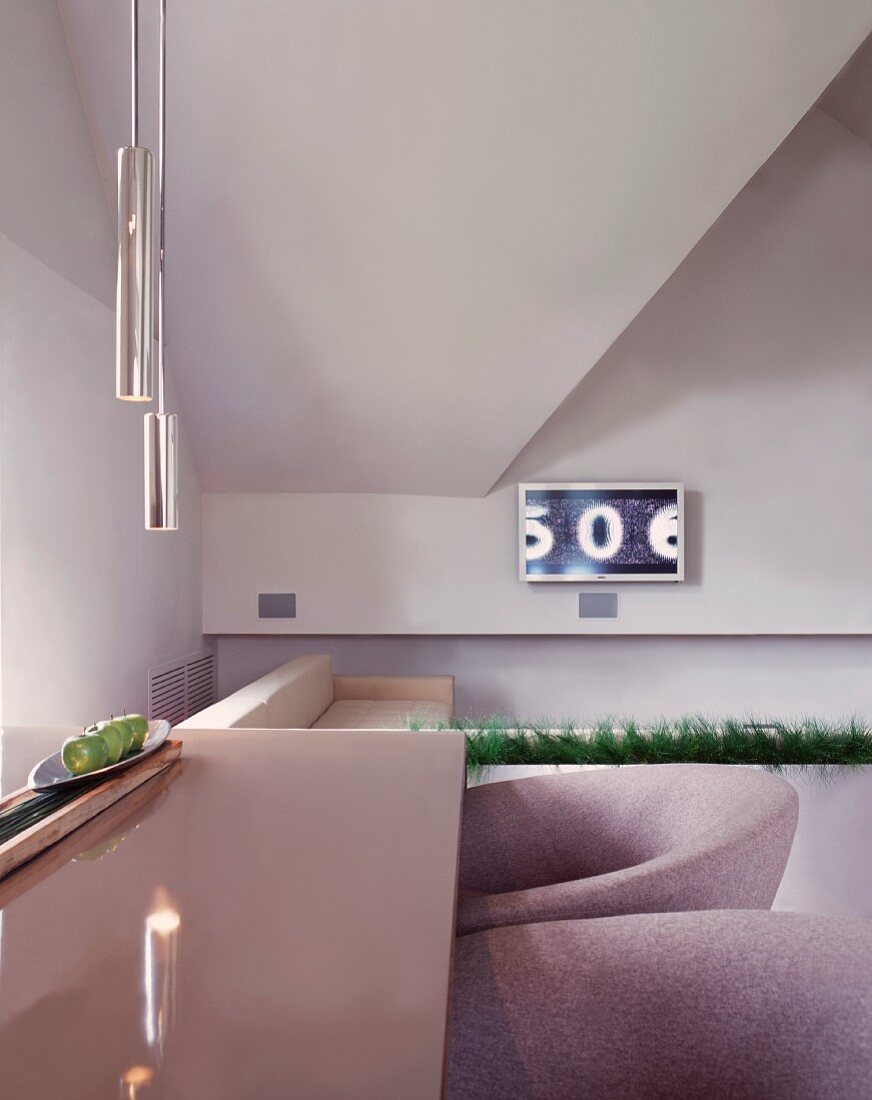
598, 532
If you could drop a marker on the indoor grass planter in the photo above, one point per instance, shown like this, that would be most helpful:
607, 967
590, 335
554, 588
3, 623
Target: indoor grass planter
501, 742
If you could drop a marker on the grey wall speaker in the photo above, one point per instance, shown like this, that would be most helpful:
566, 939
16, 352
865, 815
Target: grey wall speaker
597, 605
277, 605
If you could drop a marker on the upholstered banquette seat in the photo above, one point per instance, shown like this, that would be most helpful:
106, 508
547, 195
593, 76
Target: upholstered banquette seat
304, 694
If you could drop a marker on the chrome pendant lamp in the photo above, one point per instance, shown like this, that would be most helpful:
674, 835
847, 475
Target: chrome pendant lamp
161, 428
134, 309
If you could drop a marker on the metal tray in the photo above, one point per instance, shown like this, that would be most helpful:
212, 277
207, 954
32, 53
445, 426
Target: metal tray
51, 774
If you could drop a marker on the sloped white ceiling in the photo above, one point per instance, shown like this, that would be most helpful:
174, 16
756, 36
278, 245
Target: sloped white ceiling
51, 202
399, 233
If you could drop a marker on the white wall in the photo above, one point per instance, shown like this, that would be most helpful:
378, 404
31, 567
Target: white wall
90, 599
828, 869
747, 377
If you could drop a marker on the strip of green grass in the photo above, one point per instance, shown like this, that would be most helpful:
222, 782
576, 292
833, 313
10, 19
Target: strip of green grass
692, 740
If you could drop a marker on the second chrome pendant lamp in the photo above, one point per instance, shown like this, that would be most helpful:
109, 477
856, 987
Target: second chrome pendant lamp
161, 428
135, 313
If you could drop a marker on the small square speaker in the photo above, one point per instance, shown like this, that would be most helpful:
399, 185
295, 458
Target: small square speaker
597, 605
277, 605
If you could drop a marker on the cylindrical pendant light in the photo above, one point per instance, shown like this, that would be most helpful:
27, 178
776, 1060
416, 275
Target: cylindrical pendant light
161, 472
161, 428
134, 304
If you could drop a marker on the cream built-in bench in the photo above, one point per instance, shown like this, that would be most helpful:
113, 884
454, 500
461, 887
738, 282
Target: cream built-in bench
304, 694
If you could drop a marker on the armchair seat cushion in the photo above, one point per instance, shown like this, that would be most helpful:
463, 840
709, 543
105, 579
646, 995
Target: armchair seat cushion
731, 1004
388, 714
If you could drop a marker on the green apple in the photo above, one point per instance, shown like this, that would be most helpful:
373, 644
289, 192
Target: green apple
113, 737
84, 754
139, 724
126, 733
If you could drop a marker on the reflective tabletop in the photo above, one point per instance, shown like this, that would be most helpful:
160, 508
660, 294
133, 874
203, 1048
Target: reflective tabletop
272, 917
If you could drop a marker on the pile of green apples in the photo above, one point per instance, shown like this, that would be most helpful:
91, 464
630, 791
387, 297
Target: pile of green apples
104, 743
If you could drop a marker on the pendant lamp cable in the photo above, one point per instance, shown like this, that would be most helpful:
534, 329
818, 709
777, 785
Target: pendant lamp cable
162, 138
134, 73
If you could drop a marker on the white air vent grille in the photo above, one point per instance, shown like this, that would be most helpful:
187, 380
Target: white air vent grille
181, 688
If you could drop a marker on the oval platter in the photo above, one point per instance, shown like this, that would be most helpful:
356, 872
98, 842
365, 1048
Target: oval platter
50, 774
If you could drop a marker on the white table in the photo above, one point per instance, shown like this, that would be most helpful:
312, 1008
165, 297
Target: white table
275, 921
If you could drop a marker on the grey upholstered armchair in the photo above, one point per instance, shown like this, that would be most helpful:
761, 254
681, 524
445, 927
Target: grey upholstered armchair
643, 839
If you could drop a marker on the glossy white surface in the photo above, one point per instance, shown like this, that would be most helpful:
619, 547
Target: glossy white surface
278, 922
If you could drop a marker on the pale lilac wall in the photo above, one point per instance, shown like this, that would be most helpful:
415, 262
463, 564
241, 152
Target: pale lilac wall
90, 598
581, 678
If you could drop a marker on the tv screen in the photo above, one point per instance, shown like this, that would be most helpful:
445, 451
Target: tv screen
593, 532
